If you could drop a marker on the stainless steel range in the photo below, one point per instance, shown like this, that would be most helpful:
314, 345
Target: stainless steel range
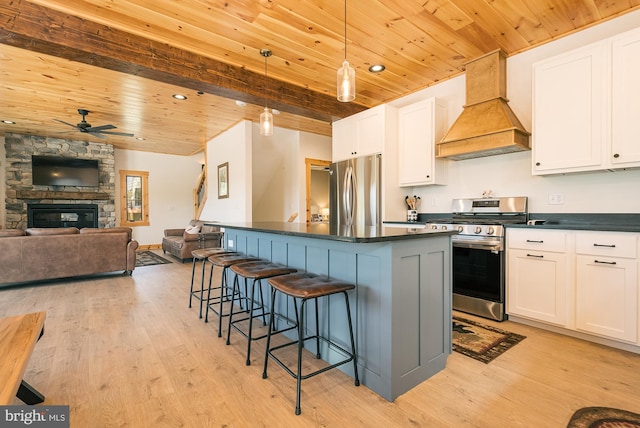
478, 252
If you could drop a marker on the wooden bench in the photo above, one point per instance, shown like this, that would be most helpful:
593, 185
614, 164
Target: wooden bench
18, 337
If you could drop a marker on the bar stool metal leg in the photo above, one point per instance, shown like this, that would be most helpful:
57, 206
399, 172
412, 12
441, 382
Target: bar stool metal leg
216, 303
200, 255
256, 271
307, 286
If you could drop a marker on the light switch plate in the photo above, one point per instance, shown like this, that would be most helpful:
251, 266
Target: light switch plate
556, 198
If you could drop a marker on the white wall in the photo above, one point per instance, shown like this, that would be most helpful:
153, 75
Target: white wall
510, 175
233, 146
172, 180
267, 174
274, 174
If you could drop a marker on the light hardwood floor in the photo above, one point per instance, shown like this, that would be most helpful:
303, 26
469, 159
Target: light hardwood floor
127, 351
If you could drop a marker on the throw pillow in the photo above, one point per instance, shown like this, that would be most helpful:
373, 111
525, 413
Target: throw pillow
192, 230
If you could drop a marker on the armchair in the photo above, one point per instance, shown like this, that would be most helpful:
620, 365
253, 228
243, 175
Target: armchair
181, 242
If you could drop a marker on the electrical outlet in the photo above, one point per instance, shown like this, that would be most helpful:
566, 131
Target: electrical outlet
230, 243
556, 198
434, 202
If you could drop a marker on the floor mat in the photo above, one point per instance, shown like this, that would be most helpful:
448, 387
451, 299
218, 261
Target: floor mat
604, 417
481, 342
149, 258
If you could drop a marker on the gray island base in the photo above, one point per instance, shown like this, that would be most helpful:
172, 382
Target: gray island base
401, 304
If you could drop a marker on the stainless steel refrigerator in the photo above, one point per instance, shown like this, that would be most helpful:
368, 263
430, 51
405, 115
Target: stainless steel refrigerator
355, 189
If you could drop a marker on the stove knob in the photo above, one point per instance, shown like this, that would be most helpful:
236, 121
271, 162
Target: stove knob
460, 228
435, 226
444, 227
490, 231
478, 229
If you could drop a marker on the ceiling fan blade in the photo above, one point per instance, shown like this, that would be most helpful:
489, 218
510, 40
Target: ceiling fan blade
100, 128
66, 123
97, 134
123, 134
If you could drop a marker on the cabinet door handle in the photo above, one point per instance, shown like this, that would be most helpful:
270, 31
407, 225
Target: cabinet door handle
604, 263
605, 245
536, 256
534, 241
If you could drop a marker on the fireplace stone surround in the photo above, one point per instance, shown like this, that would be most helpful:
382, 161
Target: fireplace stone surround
20, 192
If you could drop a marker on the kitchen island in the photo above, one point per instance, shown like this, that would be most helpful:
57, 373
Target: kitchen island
402, 302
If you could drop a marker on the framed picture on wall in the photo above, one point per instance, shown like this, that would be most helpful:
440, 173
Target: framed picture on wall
223, 180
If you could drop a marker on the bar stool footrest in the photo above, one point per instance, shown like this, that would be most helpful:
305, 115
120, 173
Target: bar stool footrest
331, 344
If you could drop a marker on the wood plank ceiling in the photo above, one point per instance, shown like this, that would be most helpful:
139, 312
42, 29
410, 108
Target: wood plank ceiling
123, 60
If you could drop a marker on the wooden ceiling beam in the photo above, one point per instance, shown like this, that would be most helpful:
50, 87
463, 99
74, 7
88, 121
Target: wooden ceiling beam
29, 26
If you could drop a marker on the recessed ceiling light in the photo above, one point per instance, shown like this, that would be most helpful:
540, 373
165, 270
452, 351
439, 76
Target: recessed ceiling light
179, 97
9, 122
140, 138
377, 68
240, 103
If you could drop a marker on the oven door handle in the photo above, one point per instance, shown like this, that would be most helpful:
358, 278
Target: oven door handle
478, 246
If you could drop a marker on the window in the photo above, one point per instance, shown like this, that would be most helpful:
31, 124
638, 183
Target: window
134, 198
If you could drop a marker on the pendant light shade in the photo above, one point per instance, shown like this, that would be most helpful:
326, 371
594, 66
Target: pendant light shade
346, 76
346, 83
266, 122
266, 118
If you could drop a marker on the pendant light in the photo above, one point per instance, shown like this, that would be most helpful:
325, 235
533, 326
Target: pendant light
346, 82
266, 118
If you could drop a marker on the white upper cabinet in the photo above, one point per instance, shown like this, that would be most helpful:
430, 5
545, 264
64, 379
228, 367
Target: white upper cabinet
569, 111
360, 134
583, 108
343, 143
420, 126
625, 123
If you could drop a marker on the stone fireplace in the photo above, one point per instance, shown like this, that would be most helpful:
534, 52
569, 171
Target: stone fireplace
20, 192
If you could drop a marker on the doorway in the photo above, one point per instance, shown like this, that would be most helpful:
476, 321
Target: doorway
317, 193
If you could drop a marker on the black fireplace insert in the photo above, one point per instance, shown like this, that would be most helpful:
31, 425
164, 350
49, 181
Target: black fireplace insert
62, 215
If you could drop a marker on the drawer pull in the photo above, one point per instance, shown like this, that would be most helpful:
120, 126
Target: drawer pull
604, 263
605, 245
536, 256
536, 242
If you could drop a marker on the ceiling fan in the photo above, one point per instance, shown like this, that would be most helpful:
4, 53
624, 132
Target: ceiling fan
85, 126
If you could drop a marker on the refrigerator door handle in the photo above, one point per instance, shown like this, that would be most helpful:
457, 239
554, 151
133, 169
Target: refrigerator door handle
348, 195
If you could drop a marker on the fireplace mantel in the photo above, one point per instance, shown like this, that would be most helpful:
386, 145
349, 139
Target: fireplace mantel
48, 194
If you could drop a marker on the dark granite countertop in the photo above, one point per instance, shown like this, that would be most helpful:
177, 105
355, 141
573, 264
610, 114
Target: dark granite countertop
613, 222
580, 221
345, 234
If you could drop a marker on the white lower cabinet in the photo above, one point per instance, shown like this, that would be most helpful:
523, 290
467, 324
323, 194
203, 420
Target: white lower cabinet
607, 285
585, 281
538, 275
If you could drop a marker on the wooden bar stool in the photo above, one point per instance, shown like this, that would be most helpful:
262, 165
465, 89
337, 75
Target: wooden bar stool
308, 286
200, 255
214, 304
256, 271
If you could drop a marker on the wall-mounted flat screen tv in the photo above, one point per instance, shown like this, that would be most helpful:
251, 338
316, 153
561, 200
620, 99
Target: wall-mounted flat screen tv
61, 171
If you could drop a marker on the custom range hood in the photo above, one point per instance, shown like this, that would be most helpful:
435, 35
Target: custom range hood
487, 126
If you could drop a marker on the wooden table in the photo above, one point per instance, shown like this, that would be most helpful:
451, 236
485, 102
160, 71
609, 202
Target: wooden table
18, 337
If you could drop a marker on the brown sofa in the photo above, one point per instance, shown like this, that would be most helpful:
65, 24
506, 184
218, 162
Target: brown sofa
49, 253
179, 243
